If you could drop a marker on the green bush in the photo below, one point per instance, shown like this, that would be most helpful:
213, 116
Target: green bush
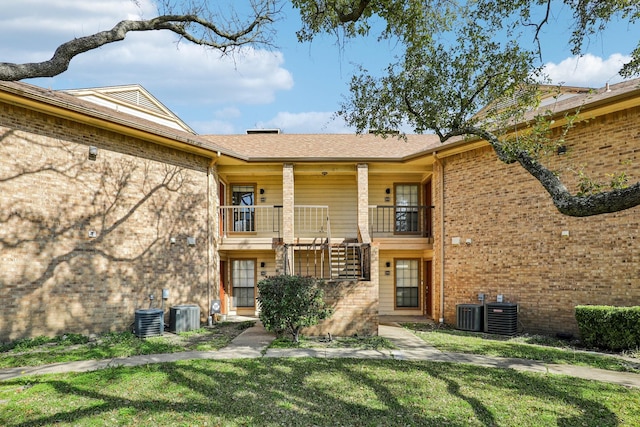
607, 327
290, 303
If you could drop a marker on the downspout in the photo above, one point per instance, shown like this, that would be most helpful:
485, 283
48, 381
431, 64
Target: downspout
210, 237
441, 181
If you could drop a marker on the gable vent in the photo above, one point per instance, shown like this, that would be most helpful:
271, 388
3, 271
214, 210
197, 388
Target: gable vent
134, 97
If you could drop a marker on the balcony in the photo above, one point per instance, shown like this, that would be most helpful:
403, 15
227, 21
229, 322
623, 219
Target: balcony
258, 221
258, 226
401, 221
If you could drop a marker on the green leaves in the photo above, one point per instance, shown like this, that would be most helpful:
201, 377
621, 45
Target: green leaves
290, 303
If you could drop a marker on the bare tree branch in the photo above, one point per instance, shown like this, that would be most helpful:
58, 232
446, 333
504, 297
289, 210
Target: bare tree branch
213, 36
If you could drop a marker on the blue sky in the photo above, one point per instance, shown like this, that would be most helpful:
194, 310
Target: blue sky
295, 87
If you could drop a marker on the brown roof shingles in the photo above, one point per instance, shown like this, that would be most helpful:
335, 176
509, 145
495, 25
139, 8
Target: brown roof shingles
302, 147
309, 147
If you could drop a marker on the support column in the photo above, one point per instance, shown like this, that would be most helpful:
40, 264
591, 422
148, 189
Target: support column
363, 202
288, 214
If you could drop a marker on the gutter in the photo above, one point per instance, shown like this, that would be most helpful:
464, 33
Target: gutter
22, 97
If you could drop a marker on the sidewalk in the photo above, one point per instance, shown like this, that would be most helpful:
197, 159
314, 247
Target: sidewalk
253, 343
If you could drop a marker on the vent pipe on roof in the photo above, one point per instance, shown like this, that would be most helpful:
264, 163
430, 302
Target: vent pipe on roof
384, 131
263, 131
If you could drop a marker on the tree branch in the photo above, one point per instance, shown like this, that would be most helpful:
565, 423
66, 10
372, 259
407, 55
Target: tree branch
353, 13
218, 39
566, 203
538, 27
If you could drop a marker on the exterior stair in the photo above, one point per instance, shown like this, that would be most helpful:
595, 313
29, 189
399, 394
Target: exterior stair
346, 261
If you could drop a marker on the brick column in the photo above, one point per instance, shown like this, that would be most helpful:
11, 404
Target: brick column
438, 239
287, 203
288, 197
363, 202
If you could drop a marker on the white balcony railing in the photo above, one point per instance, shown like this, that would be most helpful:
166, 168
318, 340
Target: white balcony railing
266, 221
311, 221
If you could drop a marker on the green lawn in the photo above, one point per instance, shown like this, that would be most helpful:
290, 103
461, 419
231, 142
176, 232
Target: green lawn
539, 348
320, 392
69, 348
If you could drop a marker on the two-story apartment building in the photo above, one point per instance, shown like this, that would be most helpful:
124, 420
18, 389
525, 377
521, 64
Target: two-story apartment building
107, 198
355, 210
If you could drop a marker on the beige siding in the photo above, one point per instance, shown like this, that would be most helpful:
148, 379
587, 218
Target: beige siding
387, 286
339, 193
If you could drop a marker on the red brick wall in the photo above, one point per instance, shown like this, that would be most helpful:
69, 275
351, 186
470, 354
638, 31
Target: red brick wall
54, 277
517, 249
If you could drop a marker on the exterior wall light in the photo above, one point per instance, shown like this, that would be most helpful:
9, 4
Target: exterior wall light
93, 152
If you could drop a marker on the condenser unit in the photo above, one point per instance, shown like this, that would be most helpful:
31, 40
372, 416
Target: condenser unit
149, 323
469, 317
501, 318
184, 318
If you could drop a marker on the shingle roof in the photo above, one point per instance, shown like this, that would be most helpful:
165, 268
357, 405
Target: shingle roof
304, 147
90, 109
595, 97
310, 147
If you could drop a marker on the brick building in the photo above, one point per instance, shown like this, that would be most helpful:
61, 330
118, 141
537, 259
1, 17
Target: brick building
106, 198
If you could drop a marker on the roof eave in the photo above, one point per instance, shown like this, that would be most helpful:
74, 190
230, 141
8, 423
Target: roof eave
21, 96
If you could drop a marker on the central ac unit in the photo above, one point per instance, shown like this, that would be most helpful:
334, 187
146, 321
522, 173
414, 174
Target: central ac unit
469, 317
149, 323
184, 318
501, 318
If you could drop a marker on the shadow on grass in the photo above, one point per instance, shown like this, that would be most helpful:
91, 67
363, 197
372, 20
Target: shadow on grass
524, 347
322, 392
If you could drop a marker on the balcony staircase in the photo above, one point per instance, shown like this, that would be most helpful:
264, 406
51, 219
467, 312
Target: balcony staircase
346, 260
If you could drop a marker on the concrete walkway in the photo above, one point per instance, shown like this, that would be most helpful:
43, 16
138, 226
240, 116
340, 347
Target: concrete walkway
253, 343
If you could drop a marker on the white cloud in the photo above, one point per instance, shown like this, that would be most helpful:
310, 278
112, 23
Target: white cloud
39, 26
588, 70
187, 73
183, 76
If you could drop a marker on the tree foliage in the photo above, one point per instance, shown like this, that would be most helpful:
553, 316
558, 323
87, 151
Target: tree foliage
460, 58
290, 303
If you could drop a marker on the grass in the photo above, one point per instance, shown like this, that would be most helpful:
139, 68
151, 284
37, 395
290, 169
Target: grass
364, 343
69, 348
319, 392
536, 347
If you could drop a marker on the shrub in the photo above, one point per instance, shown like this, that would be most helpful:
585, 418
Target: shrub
290, 303
612, 328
